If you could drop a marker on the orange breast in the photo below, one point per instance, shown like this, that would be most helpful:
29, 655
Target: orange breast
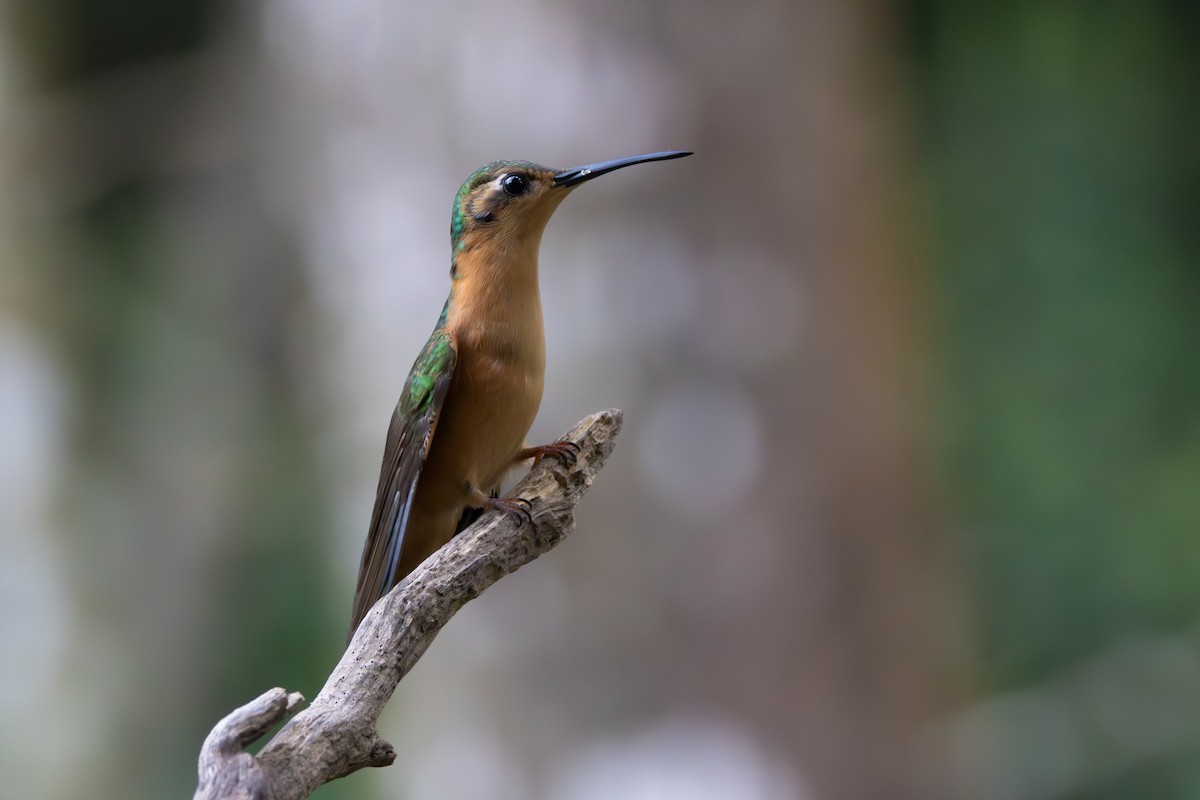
493, 399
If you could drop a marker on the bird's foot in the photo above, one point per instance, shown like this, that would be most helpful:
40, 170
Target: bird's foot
516, 507
563, 450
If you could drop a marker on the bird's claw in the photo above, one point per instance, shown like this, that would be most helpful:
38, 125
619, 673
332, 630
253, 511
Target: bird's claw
564, 450
517, 507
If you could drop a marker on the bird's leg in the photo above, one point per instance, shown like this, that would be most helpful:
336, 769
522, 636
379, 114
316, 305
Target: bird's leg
563, 450
517, 507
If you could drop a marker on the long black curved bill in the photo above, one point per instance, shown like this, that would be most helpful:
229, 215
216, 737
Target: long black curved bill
577, 175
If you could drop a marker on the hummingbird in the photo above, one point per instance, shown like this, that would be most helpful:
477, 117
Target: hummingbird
475, 388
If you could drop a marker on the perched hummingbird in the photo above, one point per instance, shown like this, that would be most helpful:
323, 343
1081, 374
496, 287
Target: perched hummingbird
462, 417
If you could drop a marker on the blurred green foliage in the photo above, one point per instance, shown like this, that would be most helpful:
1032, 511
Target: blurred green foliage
275, 607
1064, 170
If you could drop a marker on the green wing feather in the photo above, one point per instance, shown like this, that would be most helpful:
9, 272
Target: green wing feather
409, 436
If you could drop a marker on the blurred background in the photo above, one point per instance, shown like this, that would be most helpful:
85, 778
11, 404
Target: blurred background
908, 499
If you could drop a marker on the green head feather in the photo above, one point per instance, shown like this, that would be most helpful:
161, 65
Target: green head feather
461, 214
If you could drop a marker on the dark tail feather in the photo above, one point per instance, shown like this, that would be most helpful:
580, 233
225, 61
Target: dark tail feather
468, 518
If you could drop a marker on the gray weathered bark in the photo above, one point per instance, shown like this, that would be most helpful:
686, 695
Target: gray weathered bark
336, 734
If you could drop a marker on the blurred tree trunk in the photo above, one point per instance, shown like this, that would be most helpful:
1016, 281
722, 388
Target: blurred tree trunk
816, 169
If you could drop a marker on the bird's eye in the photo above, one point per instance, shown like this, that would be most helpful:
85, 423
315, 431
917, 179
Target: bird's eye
514, 184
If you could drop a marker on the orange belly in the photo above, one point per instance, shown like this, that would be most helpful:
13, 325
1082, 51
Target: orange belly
488, 411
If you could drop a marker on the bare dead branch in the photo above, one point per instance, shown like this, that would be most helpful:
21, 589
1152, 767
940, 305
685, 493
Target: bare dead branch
336, 734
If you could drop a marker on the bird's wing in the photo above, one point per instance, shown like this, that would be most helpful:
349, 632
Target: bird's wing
411, 431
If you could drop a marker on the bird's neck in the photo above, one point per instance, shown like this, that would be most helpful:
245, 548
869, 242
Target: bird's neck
495, 303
